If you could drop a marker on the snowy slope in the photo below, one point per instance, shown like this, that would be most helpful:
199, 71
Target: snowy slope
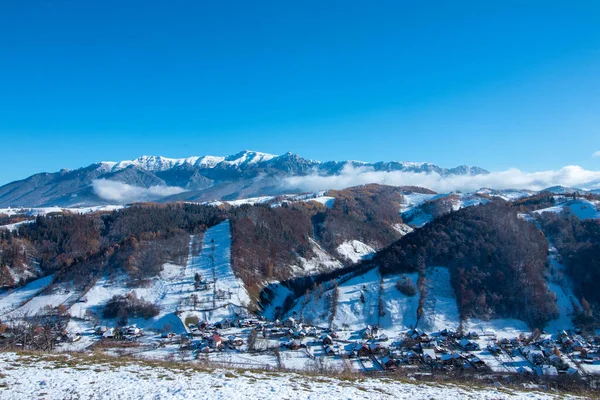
13, 227
47, 210
400, 310
581, 208
327, 201
562, 287
417, 214
172, 291
352, 312
355, 251
321, 262
12, 299
506, 194
412, 200
358, 304
440, 310
52, 296
102, 291
167, 291
225, 295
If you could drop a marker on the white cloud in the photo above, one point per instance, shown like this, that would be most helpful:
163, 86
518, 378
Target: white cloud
596, 154
572, 175
122, 193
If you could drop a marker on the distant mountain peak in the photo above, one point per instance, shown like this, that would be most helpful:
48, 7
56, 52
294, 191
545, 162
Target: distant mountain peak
248, 157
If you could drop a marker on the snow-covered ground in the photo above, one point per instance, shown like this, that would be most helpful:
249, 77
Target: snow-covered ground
400, 310
39, 303
355, 251
412, 200
321, 262
47, 210
276, 201
440, 310
413, 210
237, 203
359, 305
581, 208
12, 299
225, 294
12, 227
168, 291
51, 377
560, 284
501, 327
506, 194
327, 201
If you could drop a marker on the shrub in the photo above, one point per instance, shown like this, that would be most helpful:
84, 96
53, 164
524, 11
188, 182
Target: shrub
191, 320
129, 306
406, 286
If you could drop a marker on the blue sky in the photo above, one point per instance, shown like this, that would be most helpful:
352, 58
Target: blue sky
498, 84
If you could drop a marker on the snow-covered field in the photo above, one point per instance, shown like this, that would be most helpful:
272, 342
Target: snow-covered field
400, 310
413, 211
359, 302
581, 208
13, 227
355, 251
225, 294
321, 262
318, 197
47, 210
440, 310
51, 377
12, 299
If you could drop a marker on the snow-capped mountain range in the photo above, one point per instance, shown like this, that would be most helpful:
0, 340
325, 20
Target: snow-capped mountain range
199, 178
159, 163
245, 174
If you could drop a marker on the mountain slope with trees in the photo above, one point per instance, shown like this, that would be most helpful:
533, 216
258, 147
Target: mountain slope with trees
496, 260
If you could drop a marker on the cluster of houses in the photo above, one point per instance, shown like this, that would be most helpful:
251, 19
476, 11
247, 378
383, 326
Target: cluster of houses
542, 355
551, 355
130, 333
416, 348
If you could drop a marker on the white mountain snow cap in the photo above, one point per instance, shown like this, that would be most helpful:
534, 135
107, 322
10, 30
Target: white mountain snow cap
159, 163
149, 163
248, 157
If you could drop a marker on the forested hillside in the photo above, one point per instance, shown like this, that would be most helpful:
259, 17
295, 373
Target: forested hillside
496, 261
266, 240
137, 240
367, 213
578, 243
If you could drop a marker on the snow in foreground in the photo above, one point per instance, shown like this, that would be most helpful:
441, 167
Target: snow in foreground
51, 377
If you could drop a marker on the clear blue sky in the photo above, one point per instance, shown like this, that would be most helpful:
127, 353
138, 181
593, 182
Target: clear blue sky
497, 84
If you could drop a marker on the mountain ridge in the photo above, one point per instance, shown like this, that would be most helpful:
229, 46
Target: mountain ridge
246, 173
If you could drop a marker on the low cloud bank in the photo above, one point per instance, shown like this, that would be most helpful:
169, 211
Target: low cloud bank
122, 193
572, 175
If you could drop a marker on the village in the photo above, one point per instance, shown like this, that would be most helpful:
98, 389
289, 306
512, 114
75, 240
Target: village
293, 345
